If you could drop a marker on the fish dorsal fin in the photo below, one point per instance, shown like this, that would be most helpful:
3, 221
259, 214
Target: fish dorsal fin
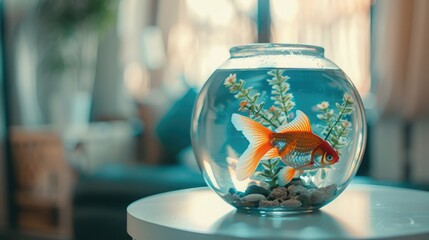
300, 123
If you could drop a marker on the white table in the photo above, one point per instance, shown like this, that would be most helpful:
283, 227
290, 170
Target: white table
361, 211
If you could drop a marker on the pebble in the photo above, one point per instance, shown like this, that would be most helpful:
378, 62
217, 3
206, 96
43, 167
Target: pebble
231, 198
254, 189
330, 190
317, 196
291, 203
297, 189
260, 184
304, 198
293, 196
267, 203
280, 192
323, 194
253, 197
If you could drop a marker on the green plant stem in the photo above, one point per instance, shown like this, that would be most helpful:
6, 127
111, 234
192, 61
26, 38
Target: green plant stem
282, 96
341, 133
270, 164
263, 117
278, 121
272, 183
325, 111
259, 112
337, 121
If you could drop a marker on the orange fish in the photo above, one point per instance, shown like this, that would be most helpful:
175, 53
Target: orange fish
294, 142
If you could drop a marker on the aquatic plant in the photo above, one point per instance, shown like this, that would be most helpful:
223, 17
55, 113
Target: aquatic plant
337, 127
282, 99
250, 101
270, 172
275, 116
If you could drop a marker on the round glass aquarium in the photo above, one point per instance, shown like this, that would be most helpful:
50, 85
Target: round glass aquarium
278, 128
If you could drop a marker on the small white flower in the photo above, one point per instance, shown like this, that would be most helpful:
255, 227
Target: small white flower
345, 123
323, 105
330, 113
320, 116
348, 98
230, 79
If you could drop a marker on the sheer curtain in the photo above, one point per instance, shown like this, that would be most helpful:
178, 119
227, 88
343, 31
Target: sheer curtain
401, 136
191, 37
341, 27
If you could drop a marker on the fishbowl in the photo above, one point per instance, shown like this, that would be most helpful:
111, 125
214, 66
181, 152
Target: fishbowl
278, 128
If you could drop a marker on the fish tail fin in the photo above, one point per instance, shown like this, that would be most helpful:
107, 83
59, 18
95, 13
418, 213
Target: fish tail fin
286, 175
259, 144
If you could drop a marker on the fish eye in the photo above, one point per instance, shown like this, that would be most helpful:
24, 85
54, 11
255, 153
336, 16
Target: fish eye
329, 158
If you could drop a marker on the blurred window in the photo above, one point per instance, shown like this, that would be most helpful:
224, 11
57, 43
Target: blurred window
201, 39
341, 27
196, 36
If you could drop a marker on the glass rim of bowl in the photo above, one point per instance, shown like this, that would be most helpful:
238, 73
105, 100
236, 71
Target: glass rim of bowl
275, 48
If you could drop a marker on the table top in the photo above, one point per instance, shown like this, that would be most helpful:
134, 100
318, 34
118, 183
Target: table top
361, 211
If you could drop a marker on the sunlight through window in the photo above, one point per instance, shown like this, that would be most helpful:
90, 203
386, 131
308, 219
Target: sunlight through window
341, 27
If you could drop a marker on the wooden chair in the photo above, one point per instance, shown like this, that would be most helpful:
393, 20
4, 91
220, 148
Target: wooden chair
43, 182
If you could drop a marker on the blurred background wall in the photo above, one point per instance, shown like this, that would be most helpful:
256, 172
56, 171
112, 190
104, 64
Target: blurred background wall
400, 74
95, 88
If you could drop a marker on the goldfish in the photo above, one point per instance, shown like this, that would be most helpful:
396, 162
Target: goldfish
294, 143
